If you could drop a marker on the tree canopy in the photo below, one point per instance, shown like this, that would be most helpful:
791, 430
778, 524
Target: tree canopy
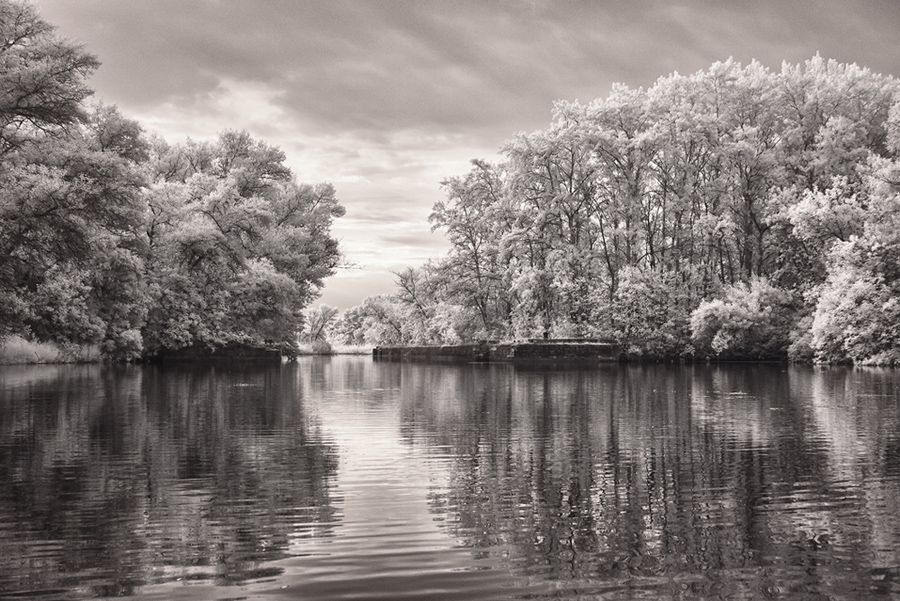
737, 212
112, 237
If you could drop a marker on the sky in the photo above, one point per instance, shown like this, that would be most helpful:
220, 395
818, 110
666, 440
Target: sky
387, 98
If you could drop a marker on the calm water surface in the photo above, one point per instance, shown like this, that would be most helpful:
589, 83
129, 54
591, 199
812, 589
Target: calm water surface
344, 478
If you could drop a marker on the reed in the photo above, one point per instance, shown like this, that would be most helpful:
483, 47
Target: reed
323, 348
16, 350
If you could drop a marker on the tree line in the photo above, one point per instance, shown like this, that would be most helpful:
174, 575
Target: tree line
113, 237
738, 212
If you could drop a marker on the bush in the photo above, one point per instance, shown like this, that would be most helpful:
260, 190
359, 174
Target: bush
752, 321
857, 319
649, 315
321, 347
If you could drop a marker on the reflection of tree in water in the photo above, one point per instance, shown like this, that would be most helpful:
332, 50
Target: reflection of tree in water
664, 481
122, 476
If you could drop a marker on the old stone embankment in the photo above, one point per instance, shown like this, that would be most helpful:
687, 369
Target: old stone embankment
530, 351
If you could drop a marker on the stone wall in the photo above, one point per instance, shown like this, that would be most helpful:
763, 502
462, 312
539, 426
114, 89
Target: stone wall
518, 352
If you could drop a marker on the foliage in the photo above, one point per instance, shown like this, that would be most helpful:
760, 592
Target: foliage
319, 322
750, 321
69, 248
735, 212
857, 318
237, 247
380, 319
17, 350
42, 79
112, 238
700, 212
649, 316
473, 276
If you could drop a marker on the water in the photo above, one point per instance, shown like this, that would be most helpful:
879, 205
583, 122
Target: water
343, 478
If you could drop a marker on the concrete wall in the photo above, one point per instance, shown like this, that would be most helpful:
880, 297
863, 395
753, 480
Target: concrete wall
527, 351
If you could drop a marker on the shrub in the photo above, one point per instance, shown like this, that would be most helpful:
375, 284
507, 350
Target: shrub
321, 347
752, 321
649, 315
857, 319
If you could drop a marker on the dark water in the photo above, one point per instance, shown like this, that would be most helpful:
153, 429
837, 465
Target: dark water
346, 479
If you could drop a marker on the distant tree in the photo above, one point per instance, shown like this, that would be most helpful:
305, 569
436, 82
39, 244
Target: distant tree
383, 320
319, 321
349, 327
474, 219
649, 315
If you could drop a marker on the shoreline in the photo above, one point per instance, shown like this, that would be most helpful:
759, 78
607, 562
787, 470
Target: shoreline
16, 350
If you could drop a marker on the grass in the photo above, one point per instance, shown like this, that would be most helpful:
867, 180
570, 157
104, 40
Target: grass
327, 349
16, 350
347, 349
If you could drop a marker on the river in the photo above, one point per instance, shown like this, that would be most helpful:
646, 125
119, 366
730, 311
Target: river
346, 478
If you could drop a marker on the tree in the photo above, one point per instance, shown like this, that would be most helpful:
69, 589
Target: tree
319, 322
70, 266
110, 238
42, 78
473, 219
42, 85
720, 195
382, 320
238, 248
649, 315
70, 206
857, 316
349, 328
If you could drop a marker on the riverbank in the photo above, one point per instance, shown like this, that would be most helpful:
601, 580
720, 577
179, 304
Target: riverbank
336, 349
249, 352
19, 351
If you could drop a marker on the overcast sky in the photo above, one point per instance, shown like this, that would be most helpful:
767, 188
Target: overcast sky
384, 99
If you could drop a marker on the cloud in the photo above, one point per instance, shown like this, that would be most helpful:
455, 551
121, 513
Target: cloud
350, 179
349, 288
480, 70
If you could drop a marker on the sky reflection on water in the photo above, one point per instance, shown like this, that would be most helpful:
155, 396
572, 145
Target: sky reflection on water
343, 477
